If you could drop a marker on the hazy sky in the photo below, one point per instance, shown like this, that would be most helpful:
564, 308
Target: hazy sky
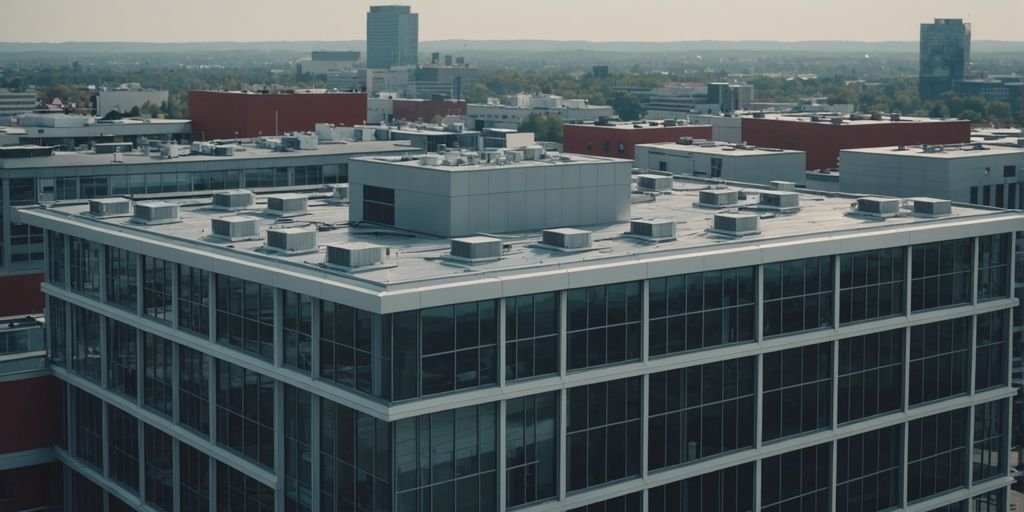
593, 20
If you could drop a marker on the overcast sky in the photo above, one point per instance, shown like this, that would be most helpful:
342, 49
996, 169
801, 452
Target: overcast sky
593, 20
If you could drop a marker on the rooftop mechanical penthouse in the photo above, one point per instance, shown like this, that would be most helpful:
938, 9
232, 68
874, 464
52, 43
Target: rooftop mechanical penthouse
707, 348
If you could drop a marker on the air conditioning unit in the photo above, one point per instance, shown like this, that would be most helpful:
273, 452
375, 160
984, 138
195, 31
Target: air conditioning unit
340, 193
718, 198
156, 212
567, 239
291, 240
878, 206
232, 200
110, 207
476, 249
287, 205
653, 229
653, 183
235, 228
783, 186
931, 207
735, 224
355, 255
779, 200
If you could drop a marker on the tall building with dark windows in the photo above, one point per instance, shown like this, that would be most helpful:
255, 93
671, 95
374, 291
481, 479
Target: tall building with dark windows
945, 56
392, 37
694, 348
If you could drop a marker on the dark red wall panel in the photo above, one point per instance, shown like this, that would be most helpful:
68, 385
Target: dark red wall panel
21, 295
577, 138
220, 115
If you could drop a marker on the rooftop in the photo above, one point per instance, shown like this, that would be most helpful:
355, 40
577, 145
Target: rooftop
847, 120
718, 148
637, 125
943, 152
457, 160
414, 260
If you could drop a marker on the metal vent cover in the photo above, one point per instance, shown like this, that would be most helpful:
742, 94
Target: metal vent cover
156, 212
291, 240
232, 199
110, 207
878, 206
355, 255
783, 186
284, 205
735, 224
235, 227
566, 238
780, 200
932, 207
718, 198
655, 229
653, 183
476, 248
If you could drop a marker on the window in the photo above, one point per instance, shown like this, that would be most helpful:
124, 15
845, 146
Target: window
93, 186
85, 343
159, 469
123, 448
974, 195
245, 412
298, 486
725, 490
604, 325
84, 269
297, 331
999, 196
26, 242
937, 454
941, 274
1011, 196
531, 440
663, 166
245, 316
603, 443
797, 481
991, 350
355, 459
58, 248
57, 335
88, 428
868, 471
157, 282
457, 454
986, 192
22, 190
237, 492
989, 458
194, 300
716, 167
870, 375
67, 188
871, 284
627, 503
994, 266
346, 348
702, 310
459, 347
195, 479
940, 359
797, 295
122, 358
122, 278
379, 205
797, 391
1009, 171
85, 495
700, 411
992, 501
309, 175
622, 148
531, 335
193, 390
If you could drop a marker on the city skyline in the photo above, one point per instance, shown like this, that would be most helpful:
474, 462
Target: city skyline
789, 20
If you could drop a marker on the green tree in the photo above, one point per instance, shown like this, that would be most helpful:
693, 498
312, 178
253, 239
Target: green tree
627, 106
544, 127
970, 115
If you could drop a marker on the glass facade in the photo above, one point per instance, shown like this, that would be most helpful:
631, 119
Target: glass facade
603, 435
994, 266
937, 459
194, 300
87, 411
798, 295
725, 490
122, 278
941, 274
627, 503
355, 459
702, 310
159, 469
868, 471
245, 412
531, 449
458, 347
297, 331
157, 288
85, 337
298, 456
194, 488
531, 336
84, 266
157, 374
797, 391
992, 350
238, 492
194, 390
797, 481
604, 325
871, 284
245, 316
940, 360
122, 358
123, 448
989, 458
870, 375
347, 350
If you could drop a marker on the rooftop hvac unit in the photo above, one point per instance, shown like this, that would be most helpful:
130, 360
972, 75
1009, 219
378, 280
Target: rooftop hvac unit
291, 240
654, 229
431, 160
340, 193
110, 207
156, 212
112, 147
735, 224
476, 248
355, 255
685, 141
878, 206
928, 206
894, 116
568, 239
235, 228
533, 152
286, 205
779, 200
837, 120
223, 151
718, 198
783, 186
653, 183
758, 115
232, 200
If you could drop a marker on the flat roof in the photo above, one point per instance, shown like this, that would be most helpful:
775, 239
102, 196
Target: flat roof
551, 159
638, 125
251, 152
943, 152
718, 149
417, 259
826, 119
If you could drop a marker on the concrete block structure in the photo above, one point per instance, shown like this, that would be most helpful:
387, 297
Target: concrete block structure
716, 160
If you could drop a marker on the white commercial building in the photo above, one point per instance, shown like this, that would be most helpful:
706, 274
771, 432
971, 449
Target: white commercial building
125, 98
15, 103
74, 131
730, 162
512, 110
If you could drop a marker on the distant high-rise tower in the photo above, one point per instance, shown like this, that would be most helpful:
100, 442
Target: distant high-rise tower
945, 55
392, 36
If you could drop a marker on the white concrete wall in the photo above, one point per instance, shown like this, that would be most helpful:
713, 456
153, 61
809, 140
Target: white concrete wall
760, 168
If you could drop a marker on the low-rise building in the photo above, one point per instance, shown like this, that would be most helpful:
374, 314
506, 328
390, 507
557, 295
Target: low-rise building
511, 111
723, 161
14, 103
321, 62
125, 98
69, 132
619, 139
240, 114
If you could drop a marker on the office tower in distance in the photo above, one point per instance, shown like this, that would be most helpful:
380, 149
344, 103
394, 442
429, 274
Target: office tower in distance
945, 56
392, 36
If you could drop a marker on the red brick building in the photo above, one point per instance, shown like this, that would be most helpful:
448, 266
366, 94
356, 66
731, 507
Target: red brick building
823, 139
223, 114
619, 139
426, 110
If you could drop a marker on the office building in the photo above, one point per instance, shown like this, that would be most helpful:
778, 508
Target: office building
619, 139
945, 56
699, 350
1008, 88
389, 109
512, 110
70, 131
125, 98
234, 114
723, 161
448, 82
320, 62
730, 97
392, 37
14, 103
